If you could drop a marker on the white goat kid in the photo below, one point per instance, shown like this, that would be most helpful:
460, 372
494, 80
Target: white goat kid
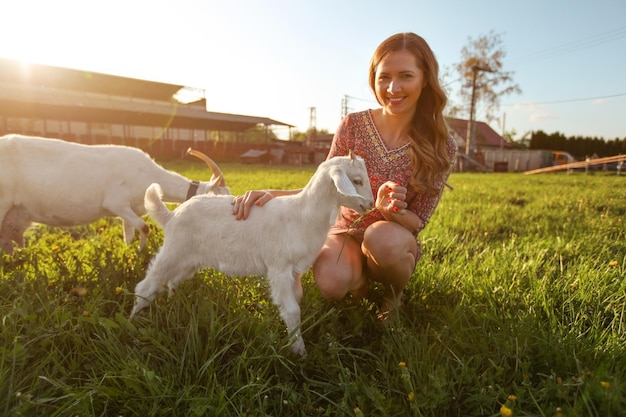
61, 183
279, 241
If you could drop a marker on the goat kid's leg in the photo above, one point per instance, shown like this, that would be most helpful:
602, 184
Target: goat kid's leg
6, 244
297, 287
129, 233
6, 238
167, 269
131, 223
285, 296
14, 224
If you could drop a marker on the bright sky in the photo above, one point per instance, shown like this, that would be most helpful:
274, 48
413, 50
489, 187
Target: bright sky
280, 58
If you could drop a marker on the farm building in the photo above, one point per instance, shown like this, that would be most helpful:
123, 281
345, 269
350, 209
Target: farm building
485, 137
88, 107
485, 140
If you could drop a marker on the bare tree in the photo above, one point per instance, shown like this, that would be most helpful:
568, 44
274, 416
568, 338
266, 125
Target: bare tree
482, 74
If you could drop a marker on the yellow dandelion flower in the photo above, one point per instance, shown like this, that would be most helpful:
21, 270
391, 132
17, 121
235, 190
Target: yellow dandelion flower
358, 412
613, 263
411, 396
559, 412
512, 397
605, 384
85, 313
506, 411
402, 364
119, 290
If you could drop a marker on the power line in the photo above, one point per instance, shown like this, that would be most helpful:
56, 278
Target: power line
359, 99
572, 100
566, 48
576, 45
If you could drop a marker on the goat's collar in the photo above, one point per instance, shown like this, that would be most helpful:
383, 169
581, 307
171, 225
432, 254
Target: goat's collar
193, 188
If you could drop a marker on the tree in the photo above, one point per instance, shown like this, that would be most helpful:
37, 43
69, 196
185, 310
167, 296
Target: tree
297, 136
259, 134
482, 67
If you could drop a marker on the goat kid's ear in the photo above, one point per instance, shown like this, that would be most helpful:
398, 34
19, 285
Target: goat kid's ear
342, 182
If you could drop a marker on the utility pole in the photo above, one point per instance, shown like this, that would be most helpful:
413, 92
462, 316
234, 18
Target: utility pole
344, 106
503, 131
471, 128
312, 133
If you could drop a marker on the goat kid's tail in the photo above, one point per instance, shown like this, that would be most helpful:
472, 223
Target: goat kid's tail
155, 206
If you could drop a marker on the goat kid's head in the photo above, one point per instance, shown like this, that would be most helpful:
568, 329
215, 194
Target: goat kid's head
217, 183
350, 177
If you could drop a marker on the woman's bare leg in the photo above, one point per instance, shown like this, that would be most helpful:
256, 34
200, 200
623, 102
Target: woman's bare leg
338, 269
391, 252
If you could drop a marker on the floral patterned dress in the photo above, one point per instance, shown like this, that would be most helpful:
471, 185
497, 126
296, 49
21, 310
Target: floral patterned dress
358, 133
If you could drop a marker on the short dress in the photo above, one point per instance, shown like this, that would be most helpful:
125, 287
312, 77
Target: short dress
357, 133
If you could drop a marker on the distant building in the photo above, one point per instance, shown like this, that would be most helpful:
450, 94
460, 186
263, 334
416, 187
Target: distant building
89, 107
485, 137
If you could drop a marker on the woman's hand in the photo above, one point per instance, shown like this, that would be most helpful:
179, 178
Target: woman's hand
390, 199
243, 203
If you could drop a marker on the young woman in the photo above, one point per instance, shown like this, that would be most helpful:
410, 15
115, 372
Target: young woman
409, 155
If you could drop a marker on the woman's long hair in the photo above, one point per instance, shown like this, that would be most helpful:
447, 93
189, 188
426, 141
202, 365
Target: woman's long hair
428, 131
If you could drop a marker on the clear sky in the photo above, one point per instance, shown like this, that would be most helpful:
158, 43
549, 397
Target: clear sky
279, 58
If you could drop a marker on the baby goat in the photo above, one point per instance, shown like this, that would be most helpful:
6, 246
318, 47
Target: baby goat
279, 241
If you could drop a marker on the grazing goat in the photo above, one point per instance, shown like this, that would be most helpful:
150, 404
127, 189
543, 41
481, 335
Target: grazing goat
279, 241
61, 183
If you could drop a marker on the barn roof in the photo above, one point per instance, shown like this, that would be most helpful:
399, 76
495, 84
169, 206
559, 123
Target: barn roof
34, 90
485, 135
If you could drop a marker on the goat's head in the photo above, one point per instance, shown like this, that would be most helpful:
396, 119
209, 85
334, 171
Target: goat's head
217, 183
350, 177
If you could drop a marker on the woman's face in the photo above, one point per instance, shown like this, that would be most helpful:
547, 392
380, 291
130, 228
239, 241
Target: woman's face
399, 83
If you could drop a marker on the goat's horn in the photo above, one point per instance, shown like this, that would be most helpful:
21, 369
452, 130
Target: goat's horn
351, 155
217, 173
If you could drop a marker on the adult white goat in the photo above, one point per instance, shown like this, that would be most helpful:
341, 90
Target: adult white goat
61, 183
279, 241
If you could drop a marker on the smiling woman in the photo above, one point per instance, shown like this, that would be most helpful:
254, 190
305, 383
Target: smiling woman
398, 86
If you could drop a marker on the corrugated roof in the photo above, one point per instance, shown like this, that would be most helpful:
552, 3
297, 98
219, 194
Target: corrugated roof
17, 72
33, 90
485, 135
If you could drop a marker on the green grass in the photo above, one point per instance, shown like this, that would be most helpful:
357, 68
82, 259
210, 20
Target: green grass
519, 300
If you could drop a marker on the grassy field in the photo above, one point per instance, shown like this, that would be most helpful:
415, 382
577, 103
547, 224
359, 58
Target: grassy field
517, 308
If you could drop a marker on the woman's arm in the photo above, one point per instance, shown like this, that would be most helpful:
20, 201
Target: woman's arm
243, 203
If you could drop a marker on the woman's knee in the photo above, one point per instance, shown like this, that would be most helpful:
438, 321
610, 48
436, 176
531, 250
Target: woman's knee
337, 268
333, 283
388, 242
331, 288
